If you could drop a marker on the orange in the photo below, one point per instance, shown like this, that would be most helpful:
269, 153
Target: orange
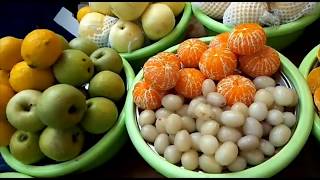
23, 77
6, 131
161, 70
190, 82
41, 48
316, 98
220, 40
263, 63
190, 51
83, 11
247, 39
313, 79
146, 97
237, 88
4, 77
6, 93
10, 52
217, 63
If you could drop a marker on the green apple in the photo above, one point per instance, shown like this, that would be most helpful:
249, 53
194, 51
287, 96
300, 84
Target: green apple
107, 59
107, 84
61, 144
128, 11
24, 146
21, 111
73, 67
100, 116
176, 7
83, 44
126, 36
158, 21
65, 44
61, 106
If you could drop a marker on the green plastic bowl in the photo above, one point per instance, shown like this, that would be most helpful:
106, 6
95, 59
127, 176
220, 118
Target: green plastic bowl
279, 37
13, 175
307, 64
102, 151
266, 169
139, 56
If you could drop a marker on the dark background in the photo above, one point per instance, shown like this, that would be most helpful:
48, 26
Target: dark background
20, 17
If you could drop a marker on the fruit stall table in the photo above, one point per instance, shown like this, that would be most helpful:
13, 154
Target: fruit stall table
128, 163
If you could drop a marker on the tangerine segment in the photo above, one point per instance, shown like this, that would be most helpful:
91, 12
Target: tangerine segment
313, 79
263, 63
316, 98
247, 39
218, 63
220, 40
190, 82
161, 70
237, 88
190, 51
146, 97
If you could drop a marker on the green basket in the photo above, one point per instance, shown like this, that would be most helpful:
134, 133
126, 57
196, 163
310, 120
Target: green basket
13, 175
101, 152
307, 64
139, 56
278, 37
266, 169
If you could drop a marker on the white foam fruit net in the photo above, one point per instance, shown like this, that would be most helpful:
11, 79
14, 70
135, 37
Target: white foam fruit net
291, 11
245, 12
213, 9
101, 38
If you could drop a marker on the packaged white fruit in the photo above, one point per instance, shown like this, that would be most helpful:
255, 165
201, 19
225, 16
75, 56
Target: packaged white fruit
96, 27
291, 11
249, 12
213, 9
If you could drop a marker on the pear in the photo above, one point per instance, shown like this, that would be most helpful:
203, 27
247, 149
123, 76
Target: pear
128, 11
176, 7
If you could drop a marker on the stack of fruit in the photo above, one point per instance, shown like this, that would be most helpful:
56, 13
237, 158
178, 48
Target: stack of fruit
57, 94
201, 110
127, 26
313, 80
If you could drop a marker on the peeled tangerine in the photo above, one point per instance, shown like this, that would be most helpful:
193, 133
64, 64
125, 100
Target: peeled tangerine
263, 63
218, 63
190, 52
146, 97
247, 39
189, 82
161, 70
313, 79
221, 40
316, 98
236, 88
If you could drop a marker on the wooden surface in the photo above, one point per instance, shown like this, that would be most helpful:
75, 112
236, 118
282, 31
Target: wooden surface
129, 163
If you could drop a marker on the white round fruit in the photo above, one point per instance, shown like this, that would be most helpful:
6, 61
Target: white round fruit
172, 102
261, 82
147, 117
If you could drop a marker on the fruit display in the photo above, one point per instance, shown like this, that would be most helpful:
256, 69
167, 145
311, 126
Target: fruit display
57, 100
202, 108
128, 26
263, 13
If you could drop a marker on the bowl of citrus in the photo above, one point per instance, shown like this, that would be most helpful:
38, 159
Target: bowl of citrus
291, 21
137, 30
309, 69
62, 104
200, 109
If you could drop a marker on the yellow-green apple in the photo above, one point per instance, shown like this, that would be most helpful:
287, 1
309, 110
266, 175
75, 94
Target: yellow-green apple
107, 59
83, 44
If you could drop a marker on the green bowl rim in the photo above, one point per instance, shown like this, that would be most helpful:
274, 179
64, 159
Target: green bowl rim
180, 28
305, 67
13, 175
270, 31
83, 160
265, 169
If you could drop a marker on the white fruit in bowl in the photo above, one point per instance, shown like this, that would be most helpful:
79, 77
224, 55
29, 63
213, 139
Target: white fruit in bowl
126, 36
176, 7
91, 24
158, 21
100, 7
128, 11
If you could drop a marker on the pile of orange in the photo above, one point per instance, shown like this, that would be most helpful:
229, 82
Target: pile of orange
313, 80
242, 50
25, 64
